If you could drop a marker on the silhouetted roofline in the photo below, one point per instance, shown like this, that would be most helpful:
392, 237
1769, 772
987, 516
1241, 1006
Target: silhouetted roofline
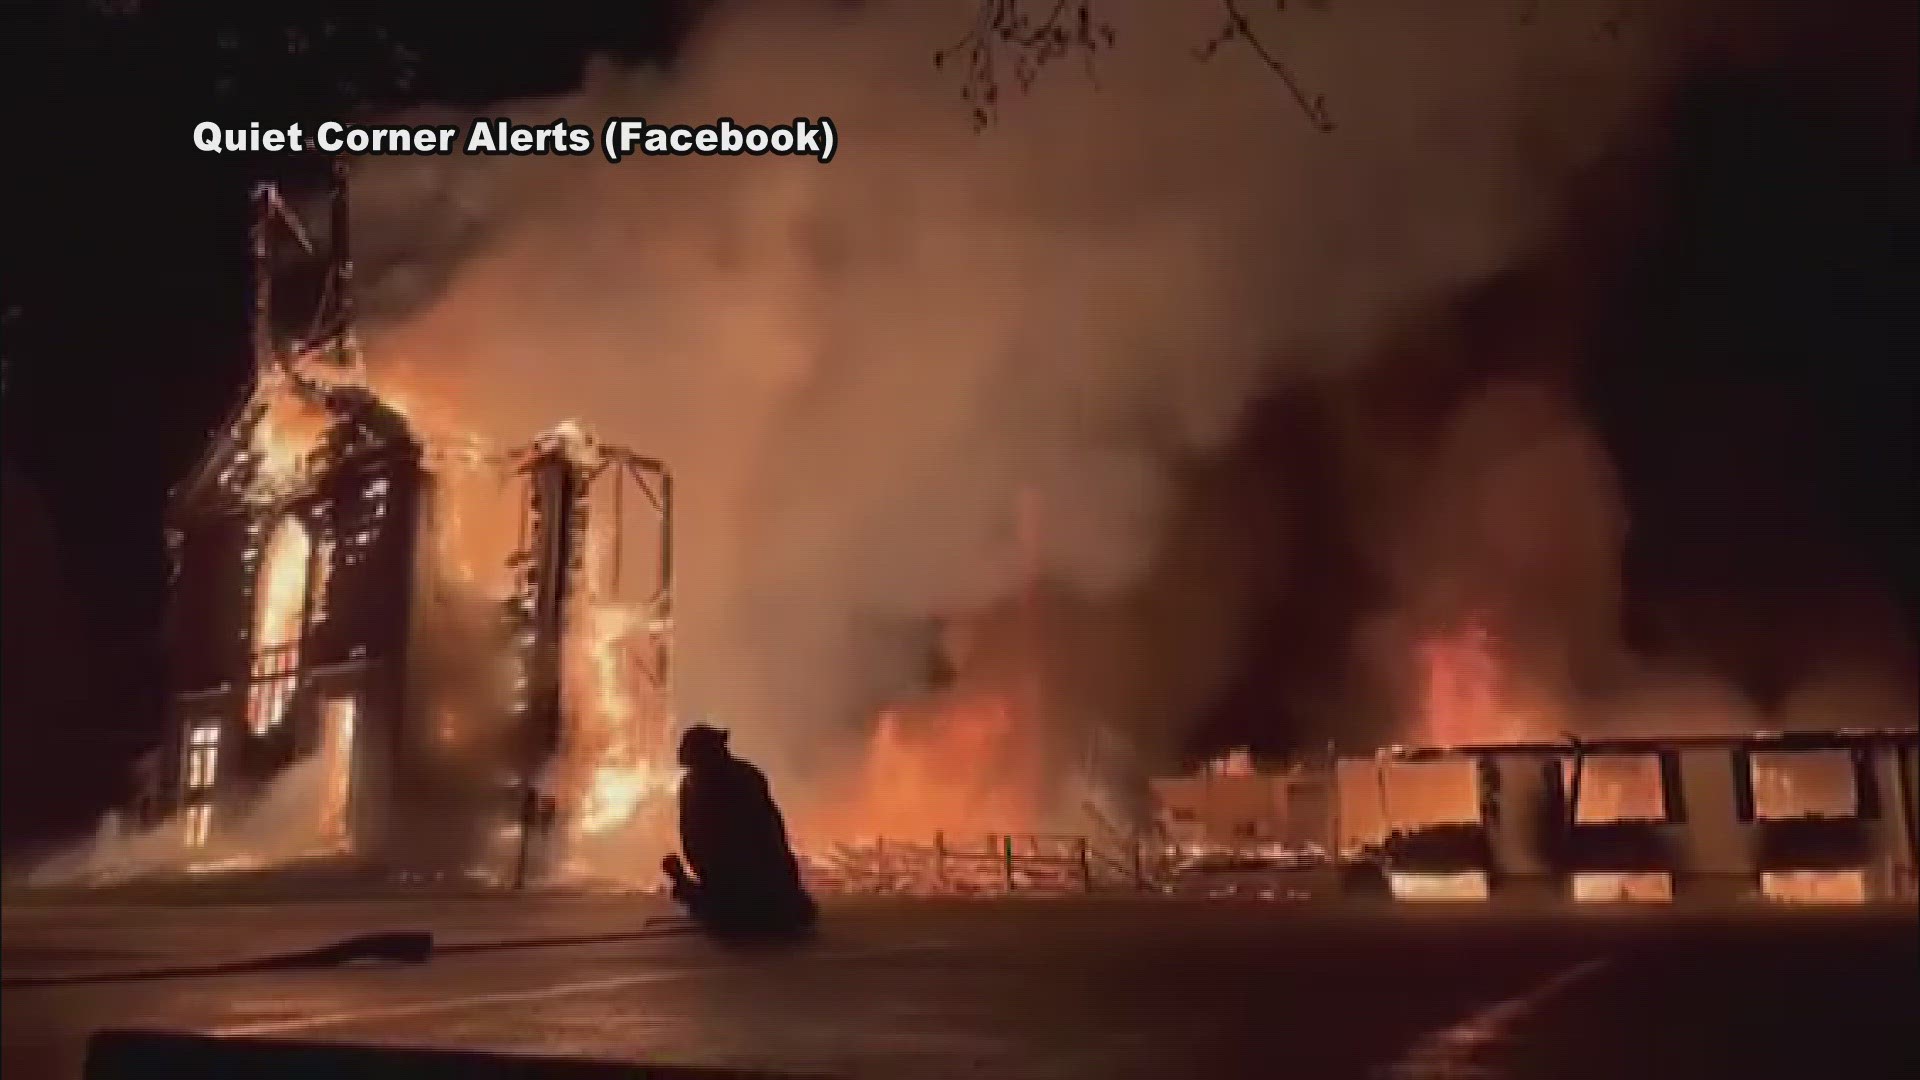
1841, 739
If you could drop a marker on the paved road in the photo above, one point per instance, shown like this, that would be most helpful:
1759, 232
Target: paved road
1005, 989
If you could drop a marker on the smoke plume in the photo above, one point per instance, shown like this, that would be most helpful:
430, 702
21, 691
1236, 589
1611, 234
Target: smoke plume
276, 825
856, 369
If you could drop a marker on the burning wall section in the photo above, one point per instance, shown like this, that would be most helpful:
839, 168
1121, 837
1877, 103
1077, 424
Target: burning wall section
303, 517
389, 639
439, 643
591, 608
1806, 816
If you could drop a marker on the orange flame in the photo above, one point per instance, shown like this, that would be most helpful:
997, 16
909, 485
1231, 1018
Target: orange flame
288, 430
614, 767
614, 762
965, 764
1466, 693
282, 591
971, 760
280, 604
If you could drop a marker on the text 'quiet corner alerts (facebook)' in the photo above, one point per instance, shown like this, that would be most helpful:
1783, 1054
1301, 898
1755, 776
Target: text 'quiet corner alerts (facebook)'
621, 137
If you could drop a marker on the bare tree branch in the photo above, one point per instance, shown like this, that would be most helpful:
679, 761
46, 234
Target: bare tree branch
1237, 27
1004, 29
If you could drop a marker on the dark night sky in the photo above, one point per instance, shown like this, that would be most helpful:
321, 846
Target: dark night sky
1761, 344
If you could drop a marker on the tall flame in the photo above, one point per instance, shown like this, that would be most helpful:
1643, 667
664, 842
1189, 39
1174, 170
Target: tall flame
616, 744
281, 594
1467, 694
280, 604
286, 431
959, 765
970, 759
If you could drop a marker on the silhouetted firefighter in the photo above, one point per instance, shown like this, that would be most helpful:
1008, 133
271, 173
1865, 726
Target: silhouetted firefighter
744, 876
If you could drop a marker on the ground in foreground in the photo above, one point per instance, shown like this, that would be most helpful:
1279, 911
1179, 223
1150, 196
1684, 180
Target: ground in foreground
1036, 988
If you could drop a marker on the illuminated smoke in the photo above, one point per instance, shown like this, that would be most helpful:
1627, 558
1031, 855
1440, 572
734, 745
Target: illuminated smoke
855, 367
1500, 542
284, 821
1503, 542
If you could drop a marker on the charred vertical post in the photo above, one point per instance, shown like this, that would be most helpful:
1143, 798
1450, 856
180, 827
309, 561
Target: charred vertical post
1718, 860
342, 264
665, 606
262, 275
1525, 811
556, 539
558, 515
1889, 771
567, 473
340, 268
655, 483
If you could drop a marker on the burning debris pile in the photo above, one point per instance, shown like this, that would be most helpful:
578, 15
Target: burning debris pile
997, 865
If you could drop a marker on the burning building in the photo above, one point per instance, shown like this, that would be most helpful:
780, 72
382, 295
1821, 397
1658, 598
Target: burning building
1800, 816
1493, 798
397, 647
1806, 817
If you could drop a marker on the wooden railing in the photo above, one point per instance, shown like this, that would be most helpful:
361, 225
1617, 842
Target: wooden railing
995, 863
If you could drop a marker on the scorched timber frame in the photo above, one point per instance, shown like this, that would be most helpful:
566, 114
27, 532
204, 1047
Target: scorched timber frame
549, 564
336, 675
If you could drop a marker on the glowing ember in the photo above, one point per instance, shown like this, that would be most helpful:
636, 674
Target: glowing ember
1604, 887
1815, 886
286, 431
230, 864
616, 795
1617, 787
1238, 762
1799, 785
1468, 885
336, 759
